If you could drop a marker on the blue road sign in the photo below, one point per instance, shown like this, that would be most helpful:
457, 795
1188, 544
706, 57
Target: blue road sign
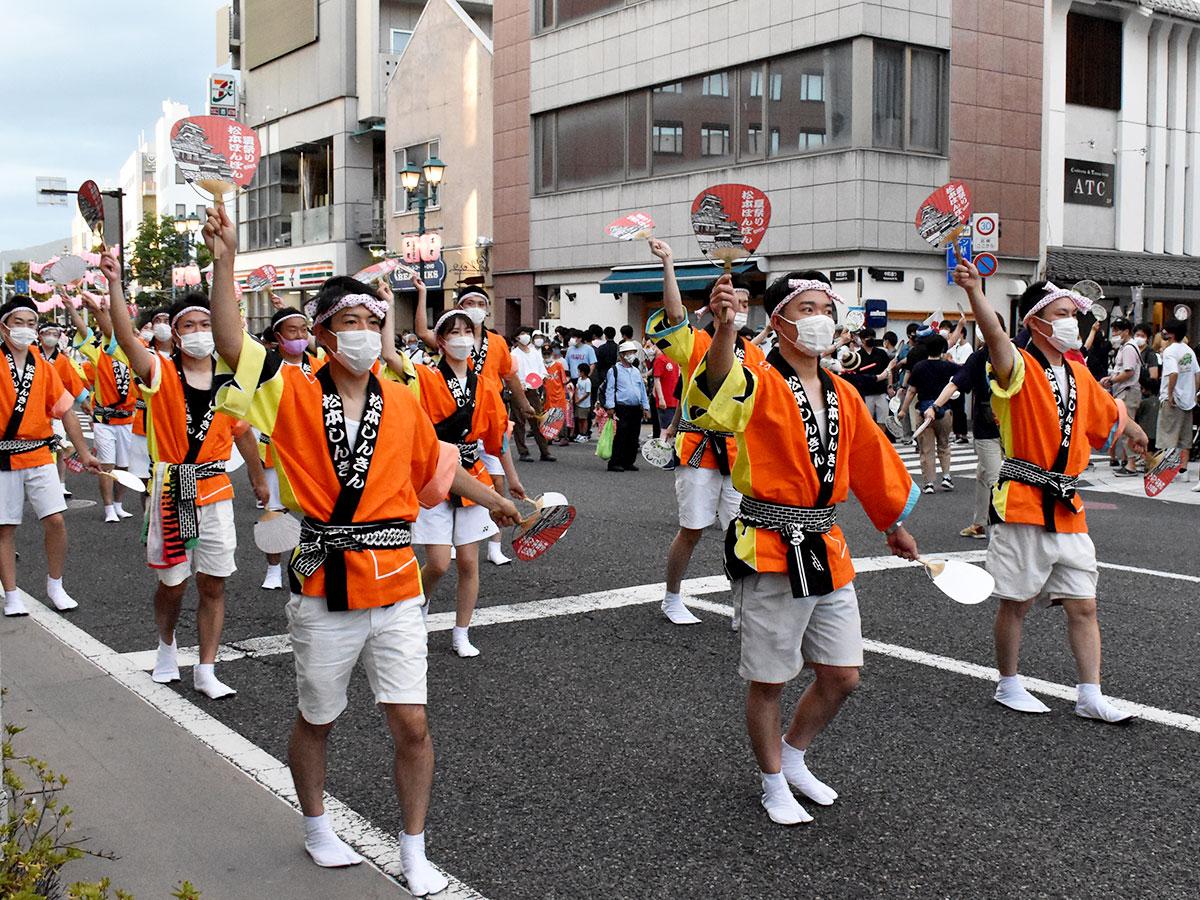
21, 285
964, 250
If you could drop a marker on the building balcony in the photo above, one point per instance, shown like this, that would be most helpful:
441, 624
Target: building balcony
312, 226
368, 222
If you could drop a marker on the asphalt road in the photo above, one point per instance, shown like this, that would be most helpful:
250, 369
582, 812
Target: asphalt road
603, 755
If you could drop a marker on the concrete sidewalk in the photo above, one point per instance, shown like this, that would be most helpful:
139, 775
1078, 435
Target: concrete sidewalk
145, 789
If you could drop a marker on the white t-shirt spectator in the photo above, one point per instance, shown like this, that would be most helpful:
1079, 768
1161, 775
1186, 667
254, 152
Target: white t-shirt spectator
960, 353
528, 360
1180, 359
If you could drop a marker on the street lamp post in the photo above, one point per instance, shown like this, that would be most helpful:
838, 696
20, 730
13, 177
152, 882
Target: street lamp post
413, 180
186, 226
119, 195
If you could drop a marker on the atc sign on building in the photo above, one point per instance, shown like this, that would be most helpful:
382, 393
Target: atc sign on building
1088, 183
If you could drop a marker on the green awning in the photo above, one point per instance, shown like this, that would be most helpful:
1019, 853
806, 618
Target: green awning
695, 277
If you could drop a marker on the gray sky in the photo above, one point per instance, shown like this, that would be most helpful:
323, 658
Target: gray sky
83, 79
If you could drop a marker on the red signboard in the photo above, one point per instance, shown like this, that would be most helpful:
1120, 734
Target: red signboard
214, 153
944, 213
730, 220
631, 227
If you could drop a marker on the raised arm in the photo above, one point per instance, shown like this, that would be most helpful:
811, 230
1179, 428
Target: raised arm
421, 315
1000, 348
226, 317
672, 301
389, 354
140, 359
723, 304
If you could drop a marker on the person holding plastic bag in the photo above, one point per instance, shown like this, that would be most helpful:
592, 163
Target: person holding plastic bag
624, 397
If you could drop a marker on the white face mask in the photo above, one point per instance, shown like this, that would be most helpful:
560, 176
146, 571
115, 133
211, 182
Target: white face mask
1140, 340
814, 334
630, 358
1115, 339
740, 319
162, 331
1064, 334
198, 344
573, 342
147, 334
49, 341
22, 337
357, 350
523, 340
459, 346
476, 315
539, 342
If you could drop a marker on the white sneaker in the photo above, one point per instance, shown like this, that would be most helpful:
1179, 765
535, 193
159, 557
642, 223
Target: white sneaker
677, 613
15, 607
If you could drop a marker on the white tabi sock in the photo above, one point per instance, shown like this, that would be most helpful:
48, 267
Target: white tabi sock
121, 511
676, 613
423, 879
1092, 705
204, 679
495, 555
798, 776
325, 847
461, 642
166, 663
1011, 693
58, 595
14, 605
779, 803
274, 578
110, 513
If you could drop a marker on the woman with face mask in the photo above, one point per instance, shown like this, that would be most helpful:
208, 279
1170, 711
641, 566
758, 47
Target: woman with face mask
464, 412
49, 340
1051, 413
805, 441
190, 443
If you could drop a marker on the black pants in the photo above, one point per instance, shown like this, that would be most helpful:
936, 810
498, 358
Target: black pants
958, 409
519, 425
655, 427
625, 441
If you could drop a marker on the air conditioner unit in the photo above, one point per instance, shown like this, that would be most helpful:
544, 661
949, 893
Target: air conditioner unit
554, 308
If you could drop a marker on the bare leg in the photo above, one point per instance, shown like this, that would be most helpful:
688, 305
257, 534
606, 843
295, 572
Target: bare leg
468, 584
106, 484
1083, 632
437, 563
8, 557
274, 559
414, 761
1007, 633
820, 702
680, 555
306, 759
500, 483
55, 532
168, 601
762, 724
210, 614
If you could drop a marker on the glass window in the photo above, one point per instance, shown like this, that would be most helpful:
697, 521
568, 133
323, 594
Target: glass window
180, 210
572, 10
693, 123
810, 100
590, 143
400, 39
676, 88
543, 144
888, 93
714, 140
927, 101
639, 161
179, 179
1093, 61
750, 112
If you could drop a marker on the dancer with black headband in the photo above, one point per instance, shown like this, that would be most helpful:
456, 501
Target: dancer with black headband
1051, 412
191, 529
32, 396
359, 458
793, 580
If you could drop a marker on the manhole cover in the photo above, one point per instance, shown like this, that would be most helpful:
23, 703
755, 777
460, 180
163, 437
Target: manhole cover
80, 504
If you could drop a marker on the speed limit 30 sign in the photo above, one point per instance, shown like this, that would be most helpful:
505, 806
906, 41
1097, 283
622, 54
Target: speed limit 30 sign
986, 230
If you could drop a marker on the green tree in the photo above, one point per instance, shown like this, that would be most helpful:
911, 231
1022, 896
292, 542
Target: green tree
18, 269
157, 249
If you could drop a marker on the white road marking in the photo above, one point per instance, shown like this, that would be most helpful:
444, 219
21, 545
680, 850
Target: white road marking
380, 848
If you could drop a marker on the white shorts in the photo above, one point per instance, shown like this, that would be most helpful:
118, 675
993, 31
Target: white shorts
780, 633
39, 485
705, 496
112, 443
1030, 563
453, 526
215, 546
273, 502
491, 463
325, 645
139, 457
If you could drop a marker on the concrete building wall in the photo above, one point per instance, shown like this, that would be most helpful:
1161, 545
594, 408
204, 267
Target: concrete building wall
442, 91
